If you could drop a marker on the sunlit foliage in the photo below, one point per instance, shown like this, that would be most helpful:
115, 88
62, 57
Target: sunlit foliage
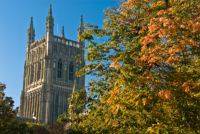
146, 61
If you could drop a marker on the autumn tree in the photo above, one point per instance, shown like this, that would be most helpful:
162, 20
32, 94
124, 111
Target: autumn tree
146, 61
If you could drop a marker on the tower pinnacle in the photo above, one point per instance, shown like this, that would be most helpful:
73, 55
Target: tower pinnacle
31, 23
49, 22
63, 32
31, 32
81, 28
50, 11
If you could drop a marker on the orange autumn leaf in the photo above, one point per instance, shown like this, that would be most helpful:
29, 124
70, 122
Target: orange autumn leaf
148, 39
144, 58
143, 30
196, 27
161, 12
172, 51
168, 22
175, 83
193, 42
172, 60
186, 87
162, 33
153, 28
115, 65
154, 60
165, 94
189, 86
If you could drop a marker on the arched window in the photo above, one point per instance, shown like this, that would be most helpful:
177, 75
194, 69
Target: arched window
59, 72
71, 71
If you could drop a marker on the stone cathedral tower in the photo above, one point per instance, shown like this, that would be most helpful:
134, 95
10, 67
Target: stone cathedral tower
49, 73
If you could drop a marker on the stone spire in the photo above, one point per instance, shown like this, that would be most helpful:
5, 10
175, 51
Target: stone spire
63, 32
31, 32
49, 22
81, 28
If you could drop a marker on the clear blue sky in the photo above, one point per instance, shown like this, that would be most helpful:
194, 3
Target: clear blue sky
14, 21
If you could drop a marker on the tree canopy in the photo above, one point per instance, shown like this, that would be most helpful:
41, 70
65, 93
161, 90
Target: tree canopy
146, 61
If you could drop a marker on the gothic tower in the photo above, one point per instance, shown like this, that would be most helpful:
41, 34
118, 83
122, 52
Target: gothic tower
49, 72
